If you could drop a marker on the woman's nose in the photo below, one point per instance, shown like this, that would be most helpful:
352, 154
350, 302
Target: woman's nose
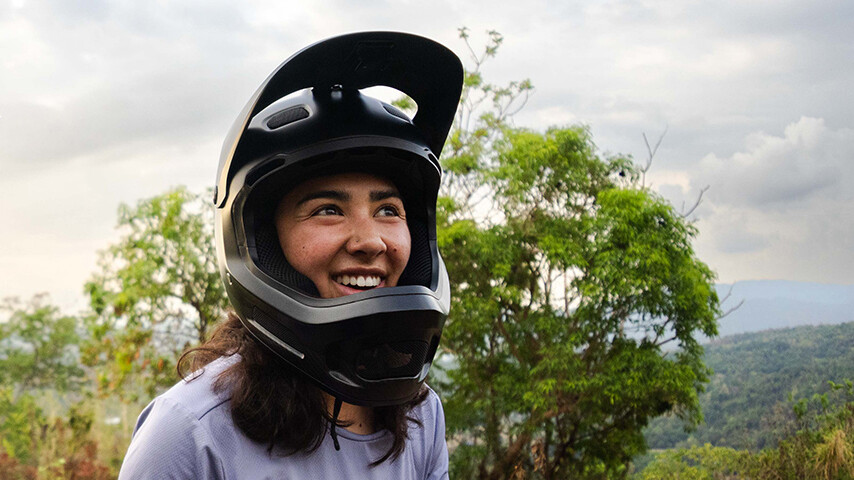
366, 240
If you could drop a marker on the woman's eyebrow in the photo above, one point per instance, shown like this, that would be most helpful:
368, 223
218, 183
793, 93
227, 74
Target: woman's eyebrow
379, 195
330, 194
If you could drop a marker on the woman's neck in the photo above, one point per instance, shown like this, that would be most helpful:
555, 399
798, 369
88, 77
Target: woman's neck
359, 418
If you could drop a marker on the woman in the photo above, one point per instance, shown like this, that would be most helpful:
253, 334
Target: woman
327, 247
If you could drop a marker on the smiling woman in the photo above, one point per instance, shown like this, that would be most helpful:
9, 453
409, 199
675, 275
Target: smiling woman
347, 233
326, 241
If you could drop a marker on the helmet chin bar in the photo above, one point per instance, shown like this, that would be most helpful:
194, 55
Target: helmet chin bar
373, 360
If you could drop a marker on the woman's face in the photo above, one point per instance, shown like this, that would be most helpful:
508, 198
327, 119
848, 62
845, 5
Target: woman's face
346, 232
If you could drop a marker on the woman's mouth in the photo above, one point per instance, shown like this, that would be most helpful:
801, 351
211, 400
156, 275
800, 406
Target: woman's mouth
359, 281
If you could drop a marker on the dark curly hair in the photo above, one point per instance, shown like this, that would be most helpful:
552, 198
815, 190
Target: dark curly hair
275, 405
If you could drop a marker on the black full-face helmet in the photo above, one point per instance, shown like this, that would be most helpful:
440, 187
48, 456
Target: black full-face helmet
310, 119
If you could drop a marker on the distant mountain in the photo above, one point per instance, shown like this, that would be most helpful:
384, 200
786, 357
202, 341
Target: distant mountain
773, 304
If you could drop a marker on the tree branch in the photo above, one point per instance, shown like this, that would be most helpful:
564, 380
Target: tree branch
650, 154
690, 211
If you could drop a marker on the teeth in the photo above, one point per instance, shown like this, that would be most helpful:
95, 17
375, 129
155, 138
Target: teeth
358, 281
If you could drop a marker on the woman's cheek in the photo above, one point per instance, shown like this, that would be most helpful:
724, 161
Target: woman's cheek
402, 246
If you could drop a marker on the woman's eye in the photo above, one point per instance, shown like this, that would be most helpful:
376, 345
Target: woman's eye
388, 211
327, 210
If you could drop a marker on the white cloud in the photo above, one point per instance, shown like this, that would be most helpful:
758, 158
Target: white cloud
809, 160
782, 207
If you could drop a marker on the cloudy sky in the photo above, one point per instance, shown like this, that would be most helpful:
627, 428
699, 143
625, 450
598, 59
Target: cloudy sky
103, 102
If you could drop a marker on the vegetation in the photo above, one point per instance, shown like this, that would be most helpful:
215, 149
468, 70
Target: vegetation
38, 347
157, 291
570, 282
39, 362
747, 404
820, 447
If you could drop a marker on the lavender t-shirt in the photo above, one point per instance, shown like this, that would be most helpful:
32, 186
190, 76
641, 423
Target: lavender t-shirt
188, 433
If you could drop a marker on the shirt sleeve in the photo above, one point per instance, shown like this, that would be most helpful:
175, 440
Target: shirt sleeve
439, 450
170, 443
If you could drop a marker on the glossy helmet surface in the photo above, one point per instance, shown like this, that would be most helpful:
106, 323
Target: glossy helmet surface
309, 119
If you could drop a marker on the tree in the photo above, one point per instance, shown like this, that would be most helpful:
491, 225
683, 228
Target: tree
576, 296
700, 463
35, 446
158, 290
38, 347
39, 357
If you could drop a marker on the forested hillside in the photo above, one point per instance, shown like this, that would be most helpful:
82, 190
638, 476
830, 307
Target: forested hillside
746, 404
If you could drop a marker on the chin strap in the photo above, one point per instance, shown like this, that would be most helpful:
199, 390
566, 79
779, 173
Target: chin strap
335, 411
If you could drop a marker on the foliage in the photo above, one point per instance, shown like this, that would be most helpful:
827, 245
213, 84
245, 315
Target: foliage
40, 362
20, 421
38, 347
36, 447
745, 405
569, 280
158, 290
697, 463
821, 449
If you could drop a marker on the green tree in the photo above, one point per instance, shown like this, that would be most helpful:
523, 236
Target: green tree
700, 463
38, 347
823, 447
33, 446
158, 290
576, 296
40, 362
21, 420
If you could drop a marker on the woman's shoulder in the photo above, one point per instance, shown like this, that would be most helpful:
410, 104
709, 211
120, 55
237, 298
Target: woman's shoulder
178, 435
191, 401
196, 393
428, 433
430, 409
427, 441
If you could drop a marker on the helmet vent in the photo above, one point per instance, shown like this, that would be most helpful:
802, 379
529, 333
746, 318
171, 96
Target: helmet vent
286, 116
392, 360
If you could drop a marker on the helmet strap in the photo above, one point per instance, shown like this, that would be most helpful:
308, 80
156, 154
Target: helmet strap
336, 410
